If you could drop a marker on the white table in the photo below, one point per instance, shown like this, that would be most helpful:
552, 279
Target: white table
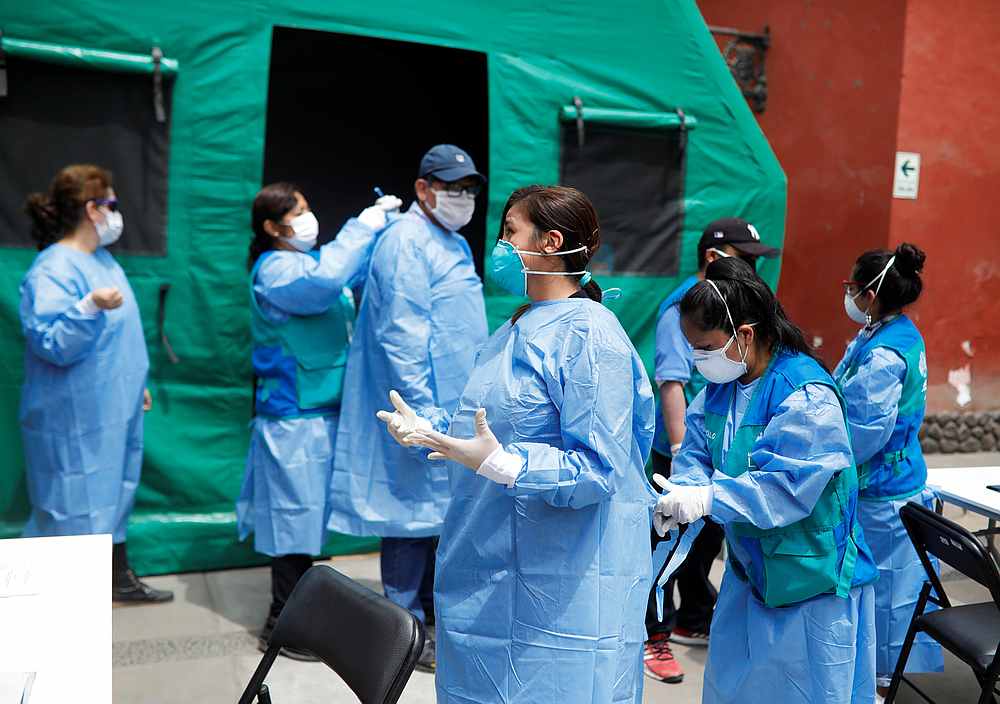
965, 487
55, 618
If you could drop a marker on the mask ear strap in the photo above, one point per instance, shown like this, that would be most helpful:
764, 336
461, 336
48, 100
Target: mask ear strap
881, 277
743, 353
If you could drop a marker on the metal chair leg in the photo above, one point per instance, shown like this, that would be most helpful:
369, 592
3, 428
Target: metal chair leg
911, 635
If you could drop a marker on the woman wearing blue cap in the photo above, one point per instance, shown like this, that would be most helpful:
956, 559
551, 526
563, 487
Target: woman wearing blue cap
544, 563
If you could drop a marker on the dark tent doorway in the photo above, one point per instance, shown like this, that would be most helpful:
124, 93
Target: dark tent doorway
347, 113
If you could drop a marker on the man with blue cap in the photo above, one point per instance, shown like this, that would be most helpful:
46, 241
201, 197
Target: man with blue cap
421, 322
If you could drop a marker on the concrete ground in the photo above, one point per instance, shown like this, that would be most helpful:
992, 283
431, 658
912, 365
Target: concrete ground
202, 647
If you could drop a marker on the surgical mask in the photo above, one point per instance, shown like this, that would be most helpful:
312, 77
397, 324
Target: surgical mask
305, 229
715, 365
507, 268
863, 317
110, 229
454, 211
853, 312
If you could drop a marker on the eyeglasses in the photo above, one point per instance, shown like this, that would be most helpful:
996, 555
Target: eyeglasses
456, 189
848, 285
109, 203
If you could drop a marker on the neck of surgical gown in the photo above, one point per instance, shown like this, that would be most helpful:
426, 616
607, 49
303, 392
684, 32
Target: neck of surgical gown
81, 404
541, 588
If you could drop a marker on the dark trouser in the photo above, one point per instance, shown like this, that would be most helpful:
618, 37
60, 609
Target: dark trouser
285, 574
408, 574
119, 565
698, 594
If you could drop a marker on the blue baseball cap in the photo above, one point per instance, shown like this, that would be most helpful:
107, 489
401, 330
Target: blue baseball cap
448, 163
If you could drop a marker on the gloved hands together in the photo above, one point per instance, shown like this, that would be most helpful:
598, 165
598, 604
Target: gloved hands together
403, 421
374, 216
471, 452
681, 504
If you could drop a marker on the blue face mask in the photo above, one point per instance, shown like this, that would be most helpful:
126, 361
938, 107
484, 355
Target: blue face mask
508, 271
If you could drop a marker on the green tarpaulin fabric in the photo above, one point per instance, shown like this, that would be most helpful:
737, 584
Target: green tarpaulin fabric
647, 57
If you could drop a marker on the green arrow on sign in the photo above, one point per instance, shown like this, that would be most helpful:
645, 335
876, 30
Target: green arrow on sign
906, 168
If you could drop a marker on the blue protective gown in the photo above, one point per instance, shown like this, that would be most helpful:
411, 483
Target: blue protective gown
421, 321
872, 396
541, 589
81, 405
283, 501
819, 650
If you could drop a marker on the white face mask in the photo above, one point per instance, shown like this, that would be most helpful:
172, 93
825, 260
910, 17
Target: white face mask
863, 317
306, 229
715, 365
853, 312
110, 229
454, 211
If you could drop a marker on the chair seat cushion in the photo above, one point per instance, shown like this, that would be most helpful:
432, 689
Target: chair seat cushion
972, 632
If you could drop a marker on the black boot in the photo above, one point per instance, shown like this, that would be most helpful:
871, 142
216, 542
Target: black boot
126, 588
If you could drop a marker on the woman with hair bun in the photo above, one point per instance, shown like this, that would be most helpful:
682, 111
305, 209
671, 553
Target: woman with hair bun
883, 377
85, 371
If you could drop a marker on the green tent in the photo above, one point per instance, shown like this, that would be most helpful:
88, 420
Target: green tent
194, 106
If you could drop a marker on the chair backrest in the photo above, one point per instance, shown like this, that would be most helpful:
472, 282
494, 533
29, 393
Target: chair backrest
951, 544
372, 643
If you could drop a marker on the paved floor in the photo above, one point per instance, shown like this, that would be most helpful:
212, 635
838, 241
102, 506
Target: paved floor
202, 647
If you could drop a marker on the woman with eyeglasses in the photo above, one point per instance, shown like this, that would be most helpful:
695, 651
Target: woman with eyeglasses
883, 377
85, 368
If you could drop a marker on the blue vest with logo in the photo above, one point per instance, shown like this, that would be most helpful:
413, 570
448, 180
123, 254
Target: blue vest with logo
696, 382
898, 470
823, 553
299, 363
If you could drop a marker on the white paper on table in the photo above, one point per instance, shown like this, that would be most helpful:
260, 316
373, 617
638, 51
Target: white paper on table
55, 611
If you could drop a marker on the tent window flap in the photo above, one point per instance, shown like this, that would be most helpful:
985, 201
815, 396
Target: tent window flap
632, 168
60, 111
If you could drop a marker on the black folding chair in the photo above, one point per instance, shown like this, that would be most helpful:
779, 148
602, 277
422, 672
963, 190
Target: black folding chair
370, 642
971, 632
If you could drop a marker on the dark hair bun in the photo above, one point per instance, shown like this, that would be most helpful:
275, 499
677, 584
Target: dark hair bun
910, 259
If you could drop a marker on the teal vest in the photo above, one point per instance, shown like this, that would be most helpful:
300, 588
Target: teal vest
816, 555
299, 363
899, 469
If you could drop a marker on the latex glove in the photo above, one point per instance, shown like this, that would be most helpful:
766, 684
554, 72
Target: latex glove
374, 216
471, 452
403, 421
681, 504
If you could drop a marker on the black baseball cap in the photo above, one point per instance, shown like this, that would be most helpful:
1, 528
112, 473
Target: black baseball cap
448, 163
739, 234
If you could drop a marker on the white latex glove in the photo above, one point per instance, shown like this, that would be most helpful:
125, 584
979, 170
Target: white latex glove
681, 504
471, 452
389, 203
403, 421
374, 216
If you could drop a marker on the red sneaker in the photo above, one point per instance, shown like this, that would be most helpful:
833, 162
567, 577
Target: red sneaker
658, 660
688, 637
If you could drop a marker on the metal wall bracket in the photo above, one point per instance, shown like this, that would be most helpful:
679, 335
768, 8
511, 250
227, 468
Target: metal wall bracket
161, 113
3, 68
745, 54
